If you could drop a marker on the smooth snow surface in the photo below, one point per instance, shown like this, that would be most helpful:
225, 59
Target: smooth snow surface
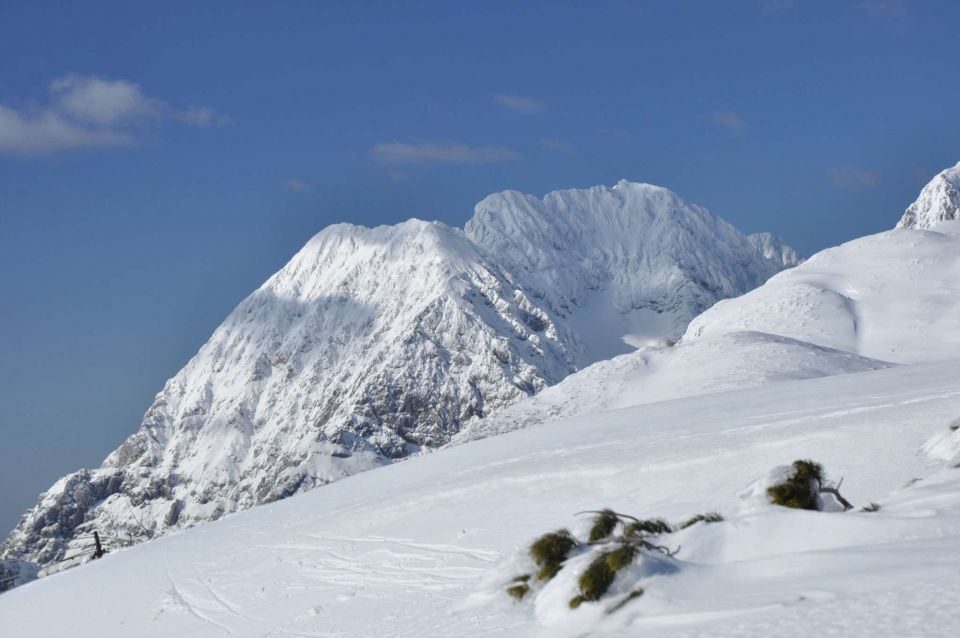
424, 547
894, 296
726, 362
372, 344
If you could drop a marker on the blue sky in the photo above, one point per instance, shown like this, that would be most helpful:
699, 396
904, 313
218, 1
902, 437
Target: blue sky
159, 161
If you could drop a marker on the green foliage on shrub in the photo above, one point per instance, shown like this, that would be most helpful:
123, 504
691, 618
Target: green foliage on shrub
620, 557
650, 526
801, 488
518, 591
600, 574
550, 550
596, 579
604, 524
708, 517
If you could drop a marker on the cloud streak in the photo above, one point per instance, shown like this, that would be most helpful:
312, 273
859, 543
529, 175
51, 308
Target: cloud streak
393, 154
91, 112
517, 103
298, 186
853, 177
729, 120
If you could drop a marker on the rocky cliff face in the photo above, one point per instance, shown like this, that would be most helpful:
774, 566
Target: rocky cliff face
375, 343
938, 201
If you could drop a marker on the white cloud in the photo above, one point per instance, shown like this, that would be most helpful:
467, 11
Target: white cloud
853, 177
518, 103
298, 186
90, 112
48, 131
728, 120
400, 153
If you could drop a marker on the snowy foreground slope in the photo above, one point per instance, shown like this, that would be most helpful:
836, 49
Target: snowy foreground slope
425, 547
374, 343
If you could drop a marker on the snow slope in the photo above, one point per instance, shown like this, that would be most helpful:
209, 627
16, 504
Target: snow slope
893, 296
422, 548
938, 201
374, 343
726, 362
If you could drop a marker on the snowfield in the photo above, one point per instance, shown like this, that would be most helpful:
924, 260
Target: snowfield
850, 359
424, 547
893, 296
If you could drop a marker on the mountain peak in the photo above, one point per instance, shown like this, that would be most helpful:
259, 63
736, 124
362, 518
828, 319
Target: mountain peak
373, 343
939, 201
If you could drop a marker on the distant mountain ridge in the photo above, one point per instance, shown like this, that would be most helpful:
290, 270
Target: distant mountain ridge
871, 303
374, 343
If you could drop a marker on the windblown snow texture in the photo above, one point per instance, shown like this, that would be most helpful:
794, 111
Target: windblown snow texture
375, 343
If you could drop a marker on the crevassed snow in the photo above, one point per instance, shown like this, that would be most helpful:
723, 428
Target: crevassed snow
374, 343
419, 548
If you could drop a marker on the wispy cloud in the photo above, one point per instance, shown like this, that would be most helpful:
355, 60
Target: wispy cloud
517, 103
853, 177
882, 9
90, 112
401, 153
728, 120
298, 186
555, 144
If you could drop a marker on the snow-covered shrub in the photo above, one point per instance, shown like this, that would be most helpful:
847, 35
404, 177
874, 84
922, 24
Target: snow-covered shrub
600, 574
803, 487
651, 526
550, 550
800, 489
520, 588
604, 524
613, 542
708, 517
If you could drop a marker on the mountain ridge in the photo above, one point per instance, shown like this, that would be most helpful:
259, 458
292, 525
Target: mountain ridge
372, 344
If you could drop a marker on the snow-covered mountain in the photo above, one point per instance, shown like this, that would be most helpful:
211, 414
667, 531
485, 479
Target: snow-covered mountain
874, 302
938, 201
371, 344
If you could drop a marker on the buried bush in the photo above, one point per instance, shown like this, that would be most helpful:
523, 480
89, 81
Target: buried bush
604, 524
652, 526
550, 550
708, 517
600, 574
518, 591
799, 490
802, 489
